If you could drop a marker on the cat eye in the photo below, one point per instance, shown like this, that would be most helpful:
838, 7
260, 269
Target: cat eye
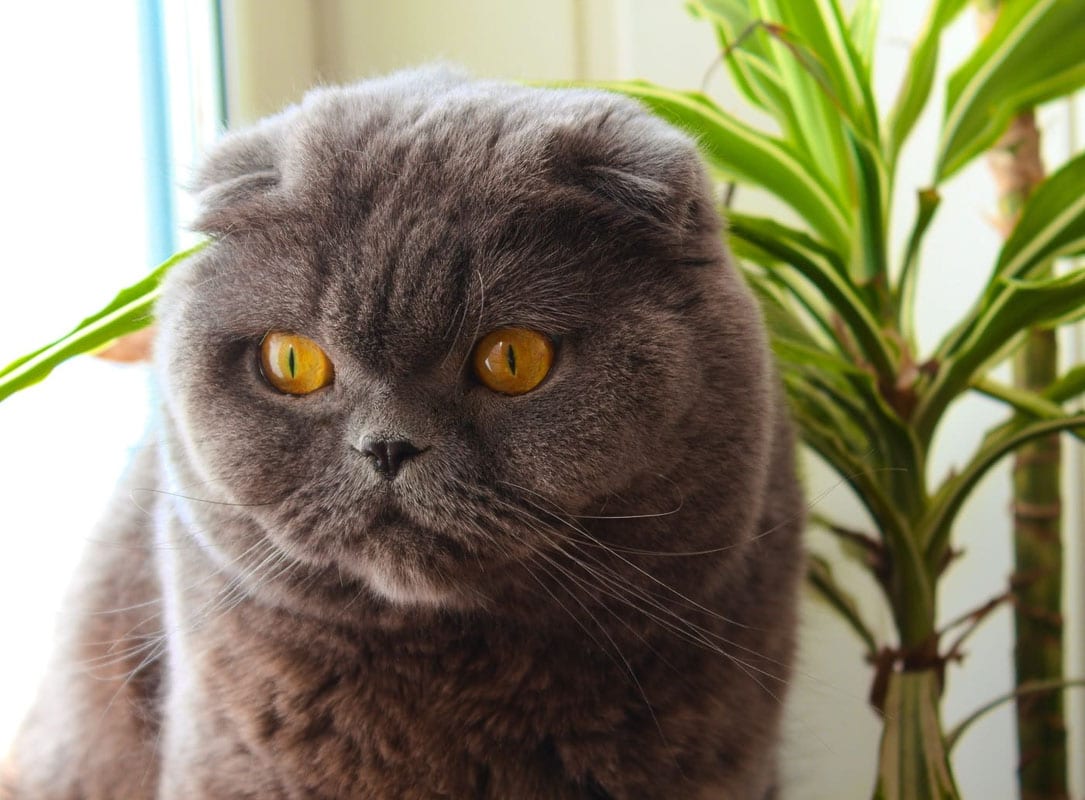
513, 360
294, 364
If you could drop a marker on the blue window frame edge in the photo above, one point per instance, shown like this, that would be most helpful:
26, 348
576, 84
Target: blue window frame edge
159, 174
158, 155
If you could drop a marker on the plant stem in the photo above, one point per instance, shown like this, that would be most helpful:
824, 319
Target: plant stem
1037, 581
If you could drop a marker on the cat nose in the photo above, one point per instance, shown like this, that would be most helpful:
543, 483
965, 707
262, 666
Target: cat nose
388, 455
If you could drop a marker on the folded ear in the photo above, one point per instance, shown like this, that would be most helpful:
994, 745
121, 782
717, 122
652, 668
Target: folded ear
239, 174
638, 169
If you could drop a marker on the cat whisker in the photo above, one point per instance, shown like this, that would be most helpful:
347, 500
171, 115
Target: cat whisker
584, 532
623, 592
624, 666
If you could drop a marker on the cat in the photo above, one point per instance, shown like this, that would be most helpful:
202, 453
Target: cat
471, 476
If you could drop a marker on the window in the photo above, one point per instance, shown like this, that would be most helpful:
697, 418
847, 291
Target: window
107, 104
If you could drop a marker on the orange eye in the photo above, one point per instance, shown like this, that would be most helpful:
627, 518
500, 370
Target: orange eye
294, 364
513, 360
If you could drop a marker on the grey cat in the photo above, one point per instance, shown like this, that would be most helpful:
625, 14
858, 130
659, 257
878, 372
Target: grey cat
471, 476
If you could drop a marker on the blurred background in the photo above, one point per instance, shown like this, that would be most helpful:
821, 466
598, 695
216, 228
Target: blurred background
110, 104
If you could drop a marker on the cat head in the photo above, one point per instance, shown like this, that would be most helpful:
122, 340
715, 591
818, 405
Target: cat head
408, 244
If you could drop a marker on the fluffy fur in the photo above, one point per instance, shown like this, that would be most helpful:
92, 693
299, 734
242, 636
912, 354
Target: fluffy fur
586, 591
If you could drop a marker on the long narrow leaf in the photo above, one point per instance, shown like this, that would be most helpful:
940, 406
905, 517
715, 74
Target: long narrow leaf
870, 262
820, 576
741, 52
1051, 225
863, 28
783, 279
928, 201
1025, 689
819, 267
748, 155
910, 593
1052, 221
935, 531
1068, 386
818, 108
916, 87
1032, 54
1020, 400
820, 26
1024, 304
129, 311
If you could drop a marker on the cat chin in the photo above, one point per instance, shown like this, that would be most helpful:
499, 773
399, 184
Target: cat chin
404, 587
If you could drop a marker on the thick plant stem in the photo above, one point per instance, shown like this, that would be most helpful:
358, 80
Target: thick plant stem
1037, 581
1037, 584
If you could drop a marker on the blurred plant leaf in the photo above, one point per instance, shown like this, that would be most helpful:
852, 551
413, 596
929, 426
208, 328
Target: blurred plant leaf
748, 155
1033, 54
934, 531
819, 575
1068, 386
863, 28
746, 59
927, 202
814, 100
1023, 304
1052, 221
1025, 689
129, 311
825, 270
916, 87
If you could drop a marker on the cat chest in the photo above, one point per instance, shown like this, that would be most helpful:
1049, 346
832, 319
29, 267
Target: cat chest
389, 724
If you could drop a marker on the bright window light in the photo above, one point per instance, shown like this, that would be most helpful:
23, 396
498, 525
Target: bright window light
75, 230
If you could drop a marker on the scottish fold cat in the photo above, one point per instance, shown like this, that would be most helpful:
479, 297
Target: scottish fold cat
470, 476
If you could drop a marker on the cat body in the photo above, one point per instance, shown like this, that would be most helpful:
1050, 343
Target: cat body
585, 590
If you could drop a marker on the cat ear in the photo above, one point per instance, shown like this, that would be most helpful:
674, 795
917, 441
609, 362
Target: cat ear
239, 174
638, 169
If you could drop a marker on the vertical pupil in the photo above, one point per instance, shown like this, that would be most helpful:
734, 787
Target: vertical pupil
291, 361
512, 360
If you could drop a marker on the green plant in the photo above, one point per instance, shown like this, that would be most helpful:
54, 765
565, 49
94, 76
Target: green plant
841, 310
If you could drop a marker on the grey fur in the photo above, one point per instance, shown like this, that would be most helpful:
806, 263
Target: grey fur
586, 591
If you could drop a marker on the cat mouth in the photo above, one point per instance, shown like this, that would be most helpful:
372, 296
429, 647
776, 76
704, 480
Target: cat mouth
406, 562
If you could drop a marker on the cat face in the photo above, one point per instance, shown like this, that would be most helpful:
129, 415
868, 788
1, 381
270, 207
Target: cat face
401, 229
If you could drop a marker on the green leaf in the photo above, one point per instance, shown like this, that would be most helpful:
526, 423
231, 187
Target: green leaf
1052, 221
748, 61
872, 430
928, 201
819, 27
831, 435
914, 760
1025, 303
817, 104
916, 88
1033, 54
863, 28
819, 574
129, 311
935, 530
819, 422
1068, 386
1025, 689
823, 269
786, 283
748, 155
780, 318
1020, 400
1052, 224
870, 260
